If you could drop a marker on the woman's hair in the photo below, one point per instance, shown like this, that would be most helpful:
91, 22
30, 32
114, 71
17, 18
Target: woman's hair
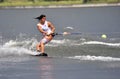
40, 17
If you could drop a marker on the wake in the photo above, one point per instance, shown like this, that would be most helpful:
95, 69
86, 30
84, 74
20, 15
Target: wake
28, 47
95, 58
101, 43
15, 51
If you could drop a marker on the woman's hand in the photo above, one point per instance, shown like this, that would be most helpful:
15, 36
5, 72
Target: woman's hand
44, 33
49, 33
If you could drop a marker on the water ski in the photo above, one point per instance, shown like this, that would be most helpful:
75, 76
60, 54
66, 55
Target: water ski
42, 54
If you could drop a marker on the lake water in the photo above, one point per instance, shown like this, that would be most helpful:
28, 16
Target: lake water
83, 56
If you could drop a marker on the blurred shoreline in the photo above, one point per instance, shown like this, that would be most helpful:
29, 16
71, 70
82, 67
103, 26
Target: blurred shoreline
64, 6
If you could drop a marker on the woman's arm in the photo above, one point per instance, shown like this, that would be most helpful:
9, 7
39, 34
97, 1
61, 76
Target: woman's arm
40, 29
51, 26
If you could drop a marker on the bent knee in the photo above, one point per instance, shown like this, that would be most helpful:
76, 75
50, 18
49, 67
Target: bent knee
44, 41
38, 44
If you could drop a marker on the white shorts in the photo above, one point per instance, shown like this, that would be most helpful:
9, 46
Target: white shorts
44, 40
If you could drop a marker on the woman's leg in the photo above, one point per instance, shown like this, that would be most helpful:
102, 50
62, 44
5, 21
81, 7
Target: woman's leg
42, 47
38, 47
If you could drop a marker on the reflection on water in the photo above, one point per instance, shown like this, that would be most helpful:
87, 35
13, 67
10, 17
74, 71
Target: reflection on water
46, 68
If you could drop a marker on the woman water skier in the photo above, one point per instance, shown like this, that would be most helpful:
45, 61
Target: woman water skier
47, 29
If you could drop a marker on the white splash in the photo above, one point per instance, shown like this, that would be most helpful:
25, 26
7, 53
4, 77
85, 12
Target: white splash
60, 41
102, 43
94, 58
69, 28
30, 44
5, 51
18, 48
